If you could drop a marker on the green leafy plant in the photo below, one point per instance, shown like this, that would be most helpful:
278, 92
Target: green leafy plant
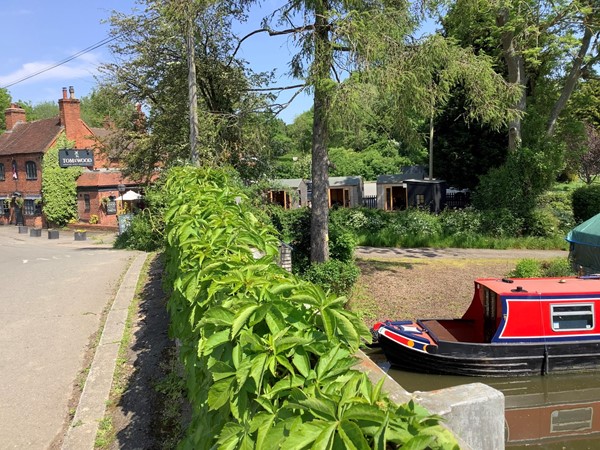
268, 357
94, 219
59, 186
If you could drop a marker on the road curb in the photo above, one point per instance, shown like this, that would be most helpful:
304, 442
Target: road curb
81, 433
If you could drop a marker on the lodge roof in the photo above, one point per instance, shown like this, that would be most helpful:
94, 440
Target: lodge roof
30, 137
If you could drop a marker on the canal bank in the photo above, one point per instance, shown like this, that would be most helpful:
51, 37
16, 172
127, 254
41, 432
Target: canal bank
407, 283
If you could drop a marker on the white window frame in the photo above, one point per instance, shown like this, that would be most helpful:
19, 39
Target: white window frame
553, 313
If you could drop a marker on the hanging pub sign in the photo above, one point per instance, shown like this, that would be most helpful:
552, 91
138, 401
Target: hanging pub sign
75, 157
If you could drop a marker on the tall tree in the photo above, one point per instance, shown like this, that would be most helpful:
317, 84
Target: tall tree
546, 48
151, 68
369, 41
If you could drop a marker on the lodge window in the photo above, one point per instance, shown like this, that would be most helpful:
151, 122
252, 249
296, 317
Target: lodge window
30, 170
86, 202
572, 317
2, 172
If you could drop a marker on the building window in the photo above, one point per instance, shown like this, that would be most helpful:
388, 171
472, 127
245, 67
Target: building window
15, 173
86, 202
5, 207
29, 207
572, 317
2, 172
31, 170
420, 199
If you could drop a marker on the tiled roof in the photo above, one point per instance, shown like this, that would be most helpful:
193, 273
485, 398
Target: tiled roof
103, 178
30, 137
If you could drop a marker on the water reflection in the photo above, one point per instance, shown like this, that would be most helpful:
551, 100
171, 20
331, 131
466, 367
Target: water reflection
552, 412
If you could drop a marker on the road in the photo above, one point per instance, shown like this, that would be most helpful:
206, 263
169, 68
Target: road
53, 295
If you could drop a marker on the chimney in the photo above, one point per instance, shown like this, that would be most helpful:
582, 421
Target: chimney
13, 115
70, 115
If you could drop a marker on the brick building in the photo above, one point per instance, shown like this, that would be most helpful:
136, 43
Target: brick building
22, 147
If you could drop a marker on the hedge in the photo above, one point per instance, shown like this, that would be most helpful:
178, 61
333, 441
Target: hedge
268, 358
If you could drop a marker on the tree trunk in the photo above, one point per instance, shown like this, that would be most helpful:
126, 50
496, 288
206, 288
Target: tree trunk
570, 82
319, 226
516, 75
192, 88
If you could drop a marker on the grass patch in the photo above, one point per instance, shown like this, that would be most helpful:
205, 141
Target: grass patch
105, 435
387, 238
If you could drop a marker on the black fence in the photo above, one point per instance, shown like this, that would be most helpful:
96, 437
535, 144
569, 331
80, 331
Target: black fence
458, 200
370, 201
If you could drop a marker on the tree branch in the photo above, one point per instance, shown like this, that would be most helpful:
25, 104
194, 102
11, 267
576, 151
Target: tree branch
283, 88
271, 33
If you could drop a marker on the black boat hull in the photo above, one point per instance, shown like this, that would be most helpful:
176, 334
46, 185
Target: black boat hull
495, 360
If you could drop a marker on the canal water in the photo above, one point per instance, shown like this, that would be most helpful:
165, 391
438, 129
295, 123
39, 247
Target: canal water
551, 412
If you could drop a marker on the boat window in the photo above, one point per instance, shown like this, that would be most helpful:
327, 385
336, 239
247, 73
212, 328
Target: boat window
578, 419
572, 317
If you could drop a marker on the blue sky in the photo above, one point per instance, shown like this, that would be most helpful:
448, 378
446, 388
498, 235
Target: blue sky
42, 33
38, 34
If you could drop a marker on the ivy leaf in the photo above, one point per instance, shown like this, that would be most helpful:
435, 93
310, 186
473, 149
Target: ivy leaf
419, 442
352, 436
218, 338
241, 317
218, 394
364, 413
301, 361
303, 435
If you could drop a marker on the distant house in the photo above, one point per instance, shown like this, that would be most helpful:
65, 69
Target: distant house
410, 189
345, 192
289, 192
24, 144
391, 189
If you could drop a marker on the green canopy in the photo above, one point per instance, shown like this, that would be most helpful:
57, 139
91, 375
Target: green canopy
585, 245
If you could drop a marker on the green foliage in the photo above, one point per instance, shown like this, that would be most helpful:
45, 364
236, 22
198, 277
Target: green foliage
59, 186
533, 268
517, 184
541, 222
586, 202
527, 268
146, 229
5, 101
267, 357
294, 228
334, 275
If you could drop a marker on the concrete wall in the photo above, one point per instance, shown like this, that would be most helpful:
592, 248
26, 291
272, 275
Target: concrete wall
473, 412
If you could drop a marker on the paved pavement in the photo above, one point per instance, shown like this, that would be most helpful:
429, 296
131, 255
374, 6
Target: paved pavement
459, 253
54, 292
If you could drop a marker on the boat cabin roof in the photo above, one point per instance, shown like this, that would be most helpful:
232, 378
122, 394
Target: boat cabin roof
543, 286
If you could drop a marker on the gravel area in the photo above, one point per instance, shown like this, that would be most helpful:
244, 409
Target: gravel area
428, 283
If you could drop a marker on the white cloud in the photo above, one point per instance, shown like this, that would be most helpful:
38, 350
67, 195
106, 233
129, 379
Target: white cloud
84, 65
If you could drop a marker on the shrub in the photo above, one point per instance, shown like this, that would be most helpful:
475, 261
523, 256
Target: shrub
94, 219
532, 268
527, 268
542, 223
333, 275
466, 221
586, 202
558, 267
501, 223
140, 235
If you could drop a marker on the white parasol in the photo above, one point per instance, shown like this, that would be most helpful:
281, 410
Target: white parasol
129, 196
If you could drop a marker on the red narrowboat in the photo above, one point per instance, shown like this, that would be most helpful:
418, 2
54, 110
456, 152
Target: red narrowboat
526, 326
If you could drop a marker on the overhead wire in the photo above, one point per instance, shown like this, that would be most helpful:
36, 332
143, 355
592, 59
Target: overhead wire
62, 62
